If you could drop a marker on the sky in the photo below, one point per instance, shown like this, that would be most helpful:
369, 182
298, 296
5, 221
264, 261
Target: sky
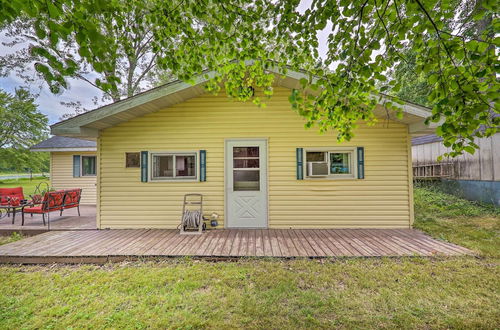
50, 104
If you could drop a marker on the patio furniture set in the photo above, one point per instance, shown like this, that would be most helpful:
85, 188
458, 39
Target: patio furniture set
12, 200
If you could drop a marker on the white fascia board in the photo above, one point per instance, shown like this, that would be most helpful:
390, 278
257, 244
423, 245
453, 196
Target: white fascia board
62, 149
70, 126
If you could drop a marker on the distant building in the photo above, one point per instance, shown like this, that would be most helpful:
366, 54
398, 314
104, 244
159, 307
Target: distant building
475, 177
72, 164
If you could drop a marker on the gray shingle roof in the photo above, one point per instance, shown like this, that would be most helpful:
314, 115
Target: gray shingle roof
425, 139
64, 142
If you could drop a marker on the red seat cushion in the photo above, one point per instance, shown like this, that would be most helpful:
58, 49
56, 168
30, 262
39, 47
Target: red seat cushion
72, 198
15, 201
34, 209
55, 199
38, 209
10, 192
52, 201
37, 199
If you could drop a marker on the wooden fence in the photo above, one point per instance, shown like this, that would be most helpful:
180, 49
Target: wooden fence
483, 165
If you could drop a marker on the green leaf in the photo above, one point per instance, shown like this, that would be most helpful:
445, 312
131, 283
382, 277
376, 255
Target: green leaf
471, 150
54, 12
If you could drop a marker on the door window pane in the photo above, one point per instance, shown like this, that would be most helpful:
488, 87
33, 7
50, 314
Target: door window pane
340, 163
244, 180
185, 166
163, 166
245, 152
246, 163
88, 165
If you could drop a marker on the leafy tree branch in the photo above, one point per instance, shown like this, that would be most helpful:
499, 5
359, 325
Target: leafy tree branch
450, 45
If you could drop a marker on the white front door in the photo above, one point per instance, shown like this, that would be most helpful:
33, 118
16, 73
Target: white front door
246, 183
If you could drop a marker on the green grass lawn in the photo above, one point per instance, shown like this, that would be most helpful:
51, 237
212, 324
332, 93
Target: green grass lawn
27, 184
415, 293
9, 239
470, 224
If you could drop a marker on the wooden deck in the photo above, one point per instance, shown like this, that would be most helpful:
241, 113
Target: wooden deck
99, 246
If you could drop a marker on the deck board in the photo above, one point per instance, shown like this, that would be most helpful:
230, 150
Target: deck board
266, 243
297, 243
259, 244
342, 239
326, 245
108, 245
163, 241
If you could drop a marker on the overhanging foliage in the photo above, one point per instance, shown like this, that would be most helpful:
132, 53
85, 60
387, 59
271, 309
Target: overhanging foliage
365, 40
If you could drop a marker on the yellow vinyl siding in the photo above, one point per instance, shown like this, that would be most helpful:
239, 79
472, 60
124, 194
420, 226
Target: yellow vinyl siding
380, 200
61, 175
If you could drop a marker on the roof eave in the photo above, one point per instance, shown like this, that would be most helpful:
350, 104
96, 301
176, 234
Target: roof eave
87, 125
62, 149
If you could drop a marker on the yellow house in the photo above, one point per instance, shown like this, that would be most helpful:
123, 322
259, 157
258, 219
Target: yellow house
256, 167
73, 164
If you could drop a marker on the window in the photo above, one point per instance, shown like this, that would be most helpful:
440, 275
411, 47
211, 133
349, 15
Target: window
246, 170
340, 163
331, 163
170, 166
132, 159
88, 165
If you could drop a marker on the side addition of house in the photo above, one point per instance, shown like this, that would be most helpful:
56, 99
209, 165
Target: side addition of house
73, 164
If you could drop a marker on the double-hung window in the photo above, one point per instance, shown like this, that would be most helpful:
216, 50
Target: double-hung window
174, 166
330, 163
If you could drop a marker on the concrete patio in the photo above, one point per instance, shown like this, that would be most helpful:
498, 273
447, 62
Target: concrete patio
34, 225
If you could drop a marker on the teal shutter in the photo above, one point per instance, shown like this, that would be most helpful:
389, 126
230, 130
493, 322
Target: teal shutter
361, 163
76, 166
300, 164
203, 165
144, 166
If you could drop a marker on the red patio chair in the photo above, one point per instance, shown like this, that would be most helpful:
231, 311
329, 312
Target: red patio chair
12, 197
6, 194
72, 199
52, 201
39, 192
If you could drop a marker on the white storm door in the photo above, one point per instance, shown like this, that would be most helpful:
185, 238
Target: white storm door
246, 183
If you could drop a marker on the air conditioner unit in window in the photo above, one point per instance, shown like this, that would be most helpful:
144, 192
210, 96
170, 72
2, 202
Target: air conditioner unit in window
317, 168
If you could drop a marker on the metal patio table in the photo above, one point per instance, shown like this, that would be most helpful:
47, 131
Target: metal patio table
6, 209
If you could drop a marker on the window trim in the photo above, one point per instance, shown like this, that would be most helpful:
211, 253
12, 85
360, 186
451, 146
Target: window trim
353, 163
196, 155
81, 166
